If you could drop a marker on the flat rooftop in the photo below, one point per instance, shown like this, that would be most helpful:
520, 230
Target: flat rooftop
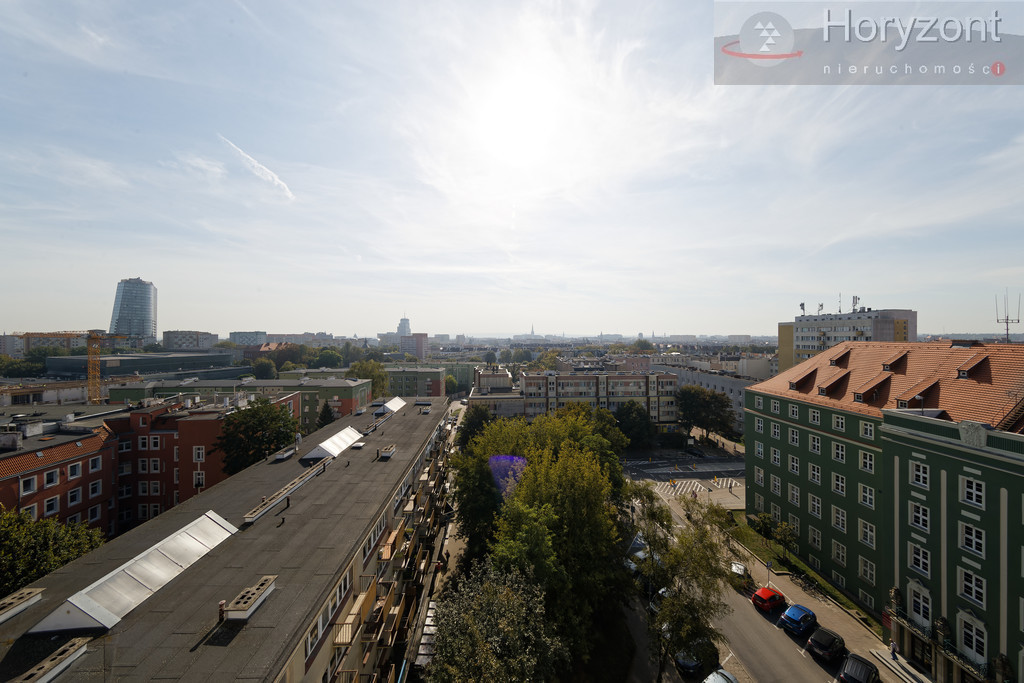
306, 542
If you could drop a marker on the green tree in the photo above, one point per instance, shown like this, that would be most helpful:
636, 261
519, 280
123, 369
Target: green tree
226, 345
325, 417
705, 409
477, 500
493, 627
785, 535
153, 348
490, 358
328, 358
641, 346
31, 549
473, 422
253, 433
264, 368
350, 354
450, 384
522, 356
371, 370
635, 423
524, 542
505, 356
39, 354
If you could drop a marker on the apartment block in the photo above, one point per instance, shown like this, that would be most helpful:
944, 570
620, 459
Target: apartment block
809, 335
901, 468
546, 392
182, 340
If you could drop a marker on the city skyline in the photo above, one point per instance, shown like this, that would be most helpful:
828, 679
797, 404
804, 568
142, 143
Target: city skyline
334, 167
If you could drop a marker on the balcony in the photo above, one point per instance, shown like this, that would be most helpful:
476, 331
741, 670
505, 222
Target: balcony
945, 648
900, 615
377, 615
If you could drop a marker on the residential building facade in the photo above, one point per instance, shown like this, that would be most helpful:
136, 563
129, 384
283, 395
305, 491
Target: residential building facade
180, 340
134, 312
901, 468
809, 335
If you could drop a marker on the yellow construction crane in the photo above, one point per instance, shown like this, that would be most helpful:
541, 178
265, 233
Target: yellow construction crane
93, 345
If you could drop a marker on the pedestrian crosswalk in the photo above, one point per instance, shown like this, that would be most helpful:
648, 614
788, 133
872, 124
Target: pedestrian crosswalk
680, 487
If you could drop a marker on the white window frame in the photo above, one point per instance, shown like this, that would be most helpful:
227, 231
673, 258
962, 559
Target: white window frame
154, 488
972, 492
74, 470
838, 484
971, 633
867, 462
75, 496
759, 502
758, 449
96, 484
839, 553
971, 586
920, 604
794, 411
95, 513
759, 476
814, 537
919, 474
51, 478
154, 465
794, 465
199, 454
814, 473
794, 437
143, 488
759, 425
867, 430
199, 479
776, 485
839, 451
919, 516
814, 505
867, 496
143, 465
759, 402
839, 423
794, 494
776, 430
866, 570
143, 443
814, 416
867, 533
776, 456
814, 443
839, 518
28, 485
972, 539
775, 406
51, 506
920, 559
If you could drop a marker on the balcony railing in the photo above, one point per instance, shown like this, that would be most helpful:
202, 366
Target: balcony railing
903, 618
946, 647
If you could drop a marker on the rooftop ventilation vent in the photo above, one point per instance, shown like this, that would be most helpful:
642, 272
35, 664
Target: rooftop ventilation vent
249, 600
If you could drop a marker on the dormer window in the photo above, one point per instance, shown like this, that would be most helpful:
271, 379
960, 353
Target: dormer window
858, 398
962, 374
822, 391
901, 404
886, 367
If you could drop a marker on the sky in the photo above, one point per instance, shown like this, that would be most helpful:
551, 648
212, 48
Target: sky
479, 167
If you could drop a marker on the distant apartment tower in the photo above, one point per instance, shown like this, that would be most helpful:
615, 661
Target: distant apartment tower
135, 309
176, 340
404, 329
414, 345
257, 338
809, 335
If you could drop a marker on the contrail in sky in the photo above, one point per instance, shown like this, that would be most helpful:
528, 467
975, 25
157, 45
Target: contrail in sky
259, 169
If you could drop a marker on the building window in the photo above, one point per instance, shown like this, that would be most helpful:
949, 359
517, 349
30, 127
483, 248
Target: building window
867, 496
867, 462
74, 519
776, 456
154, 443
124, 491
839, 452
94, 513
95, 464
154, 510
51, 506
143, 443
972, 539
143, 511
175, 450
199, 479
814, 505
814, 416
814, 538
143, 488
758, 449
175, 475
776, 485
839, 553
839, 518
154, 488
867, 533
75, 496
154, 465
867, 430
74, 470
775, 407
919, 516
759, 425
867, 570
920, 604
198, 453
124, 468
124, 446
838, 484
794, 522
919, 474
759, 502
95, 488
776, 513
794, 411
972, 492
143, 466
839, 423
28, 485
920, 559
814, 473
794, 494
972, 638
815, 443
794, 464
758, 402
776, 431
794, 437
759, 476
972, 587
50, 479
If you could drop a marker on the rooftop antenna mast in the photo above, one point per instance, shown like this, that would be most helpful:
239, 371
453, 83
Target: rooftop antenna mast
1006, 319
840, 302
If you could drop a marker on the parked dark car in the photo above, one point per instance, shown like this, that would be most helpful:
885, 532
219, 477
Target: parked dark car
856, 669
701, 656
798, 620
767, 599
828, 645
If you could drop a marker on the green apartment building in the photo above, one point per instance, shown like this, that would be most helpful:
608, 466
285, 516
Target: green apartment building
901, 467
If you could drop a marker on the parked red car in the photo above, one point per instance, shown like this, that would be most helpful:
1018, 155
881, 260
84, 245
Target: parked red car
768, 599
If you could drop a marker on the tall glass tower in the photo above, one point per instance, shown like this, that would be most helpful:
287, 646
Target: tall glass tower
135, 309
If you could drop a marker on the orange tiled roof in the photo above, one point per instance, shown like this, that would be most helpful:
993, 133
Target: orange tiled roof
21, 463
988, 394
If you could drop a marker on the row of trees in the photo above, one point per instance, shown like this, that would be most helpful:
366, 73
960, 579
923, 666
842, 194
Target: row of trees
31, 549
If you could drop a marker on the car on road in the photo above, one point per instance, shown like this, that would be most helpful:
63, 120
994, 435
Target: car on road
721, 676
856, 669
700, 656
768, 599
798, 620
825, 644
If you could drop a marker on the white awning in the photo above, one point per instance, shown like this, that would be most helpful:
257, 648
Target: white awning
332, 447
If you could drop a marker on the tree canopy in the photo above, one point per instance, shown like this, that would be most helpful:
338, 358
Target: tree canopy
373, 371
264, 368
635, 423
325, 417
31, 549
706, 409
490, 358
451, 384
253, 433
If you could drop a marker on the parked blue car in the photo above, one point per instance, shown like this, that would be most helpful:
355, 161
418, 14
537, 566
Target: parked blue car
798, 620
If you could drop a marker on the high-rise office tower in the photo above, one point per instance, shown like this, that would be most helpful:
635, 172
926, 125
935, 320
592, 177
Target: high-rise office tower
404, 329
135, 309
